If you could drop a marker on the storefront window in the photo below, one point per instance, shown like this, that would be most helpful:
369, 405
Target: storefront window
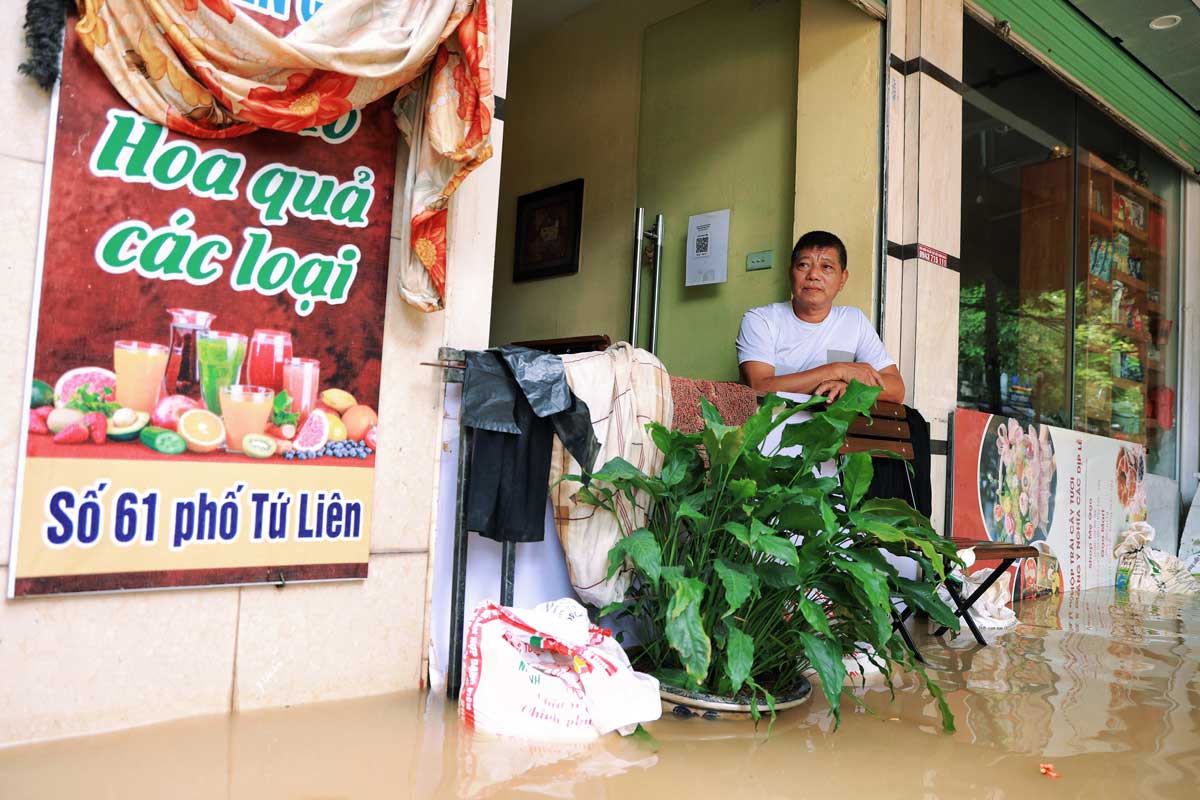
1126, 337
1069, 265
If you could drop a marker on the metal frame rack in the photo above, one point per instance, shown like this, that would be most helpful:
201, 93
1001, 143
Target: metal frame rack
453, 365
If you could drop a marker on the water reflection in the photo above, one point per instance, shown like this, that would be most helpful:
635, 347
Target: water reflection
1106, 688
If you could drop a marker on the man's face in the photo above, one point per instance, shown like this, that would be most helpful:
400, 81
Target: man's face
817, 277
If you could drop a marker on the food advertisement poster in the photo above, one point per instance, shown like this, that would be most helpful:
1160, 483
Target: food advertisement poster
204, 363
1069, 494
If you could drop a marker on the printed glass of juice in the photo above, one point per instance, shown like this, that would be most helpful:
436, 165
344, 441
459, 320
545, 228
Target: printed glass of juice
221, 355
264, 361
183, 367
245, 410
300, 377
139, 367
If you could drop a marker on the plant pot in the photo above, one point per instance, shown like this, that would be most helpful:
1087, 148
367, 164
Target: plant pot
686, 703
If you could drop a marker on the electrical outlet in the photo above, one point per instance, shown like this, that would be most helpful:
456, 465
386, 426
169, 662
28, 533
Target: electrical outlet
763, 259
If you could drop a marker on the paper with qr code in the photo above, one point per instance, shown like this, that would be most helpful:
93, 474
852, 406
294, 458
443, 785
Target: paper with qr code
707, 248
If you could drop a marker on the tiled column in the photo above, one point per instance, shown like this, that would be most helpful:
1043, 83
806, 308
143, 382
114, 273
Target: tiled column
924, 178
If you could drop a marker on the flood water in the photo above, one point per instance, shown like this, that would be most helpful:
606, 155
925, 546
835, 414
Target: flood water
1106, 689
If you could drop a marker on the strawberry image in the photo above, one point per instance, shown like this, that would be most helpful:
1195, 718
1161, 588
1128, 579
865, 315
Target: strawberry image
43, 412
37, 423
97, 425
76, 433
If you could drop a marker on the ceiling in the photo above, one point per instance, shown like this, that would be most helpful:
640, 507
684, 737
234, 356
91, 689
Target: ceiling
1173, 55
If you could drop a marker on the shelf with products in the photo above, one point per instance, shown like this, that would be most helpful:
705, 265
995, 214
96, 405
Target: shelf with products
1120, 325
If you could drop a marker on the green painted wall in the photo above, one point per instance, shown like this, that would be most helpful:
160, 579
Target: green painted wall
718, 130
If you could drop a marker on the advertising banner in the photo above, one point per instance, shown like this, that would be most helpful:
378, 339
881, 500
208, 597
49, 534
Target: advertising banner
204, 356
1069, 494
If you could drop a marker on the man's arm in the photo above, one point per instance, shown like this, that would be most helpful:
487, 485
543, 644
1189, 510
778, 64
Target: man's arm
761, 377
893, 385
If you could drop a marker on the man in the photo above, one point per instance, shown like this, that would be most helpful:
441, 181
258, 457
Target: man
811, 346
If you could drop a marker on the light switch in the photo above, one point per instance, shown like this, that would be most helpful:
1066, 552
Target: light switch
763, 259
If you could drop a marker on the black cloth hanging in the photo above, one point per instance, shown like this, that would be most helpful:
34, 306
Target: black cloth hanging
891, 475
516, 399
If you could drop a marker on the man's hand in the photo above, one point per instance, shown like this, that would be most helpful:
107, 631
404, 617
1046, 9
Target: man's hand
831, 390
863, 373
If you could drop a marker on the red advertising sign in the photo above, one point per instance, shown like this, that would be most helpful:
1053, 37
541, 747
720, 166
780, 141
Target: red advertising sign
205, 355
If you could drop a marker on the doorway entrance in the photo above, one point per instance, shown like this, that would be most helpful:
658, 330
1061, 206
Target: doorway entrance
683, 109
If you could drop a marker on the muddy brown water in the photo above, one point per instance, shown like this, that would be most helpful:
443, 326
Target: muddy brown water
1107, 689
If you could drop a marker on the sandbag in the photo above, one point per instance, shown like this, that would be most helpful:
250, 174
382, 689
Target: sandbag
547, 673
1142, 568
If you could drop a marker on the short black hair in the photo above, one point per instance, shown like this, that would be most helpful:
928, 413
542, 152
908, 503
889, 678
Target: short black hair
819, 239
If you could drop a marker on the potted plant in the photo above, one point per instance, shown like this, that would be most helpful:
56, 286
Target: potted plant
753, 569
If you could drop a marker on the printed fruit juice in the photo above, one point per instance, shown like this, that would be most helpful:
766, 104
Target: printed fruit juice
300, 378
269, 350
183, 367
221, 355
245, 410
139, 367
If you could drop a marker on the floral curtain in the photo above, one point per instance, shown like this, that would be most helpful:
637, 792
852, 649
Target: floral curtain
207, 69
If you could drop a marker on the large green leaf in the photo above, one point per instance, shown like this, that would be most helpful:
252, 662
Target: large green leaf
924, 597
829, 518
800, 517
711, 416
763, 421
739, 581
815, 616
854, 402
617, 469
820, 434
778, 576
675, 467
777, 547
742, 489
739, 656
684, 628
687, 511
857, 473
874, 585
890, 533
739, 531
826, 659
643, 551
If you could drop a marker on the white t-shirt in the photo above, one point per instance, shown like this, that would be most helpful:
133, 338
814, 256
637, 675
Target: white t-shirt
775, 335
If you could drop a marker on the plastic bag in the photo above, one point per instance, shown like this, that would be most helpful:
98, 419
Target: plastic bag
547, 673
992, 609
1141, 568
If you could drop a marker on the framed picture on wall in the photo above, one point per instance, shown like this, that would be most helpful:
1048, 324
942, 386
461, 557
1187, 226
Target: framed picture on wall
549, 223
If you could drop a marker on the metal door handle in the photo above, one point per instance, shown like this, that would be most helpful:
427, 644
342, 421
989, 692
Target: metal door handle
657, 236
635, 304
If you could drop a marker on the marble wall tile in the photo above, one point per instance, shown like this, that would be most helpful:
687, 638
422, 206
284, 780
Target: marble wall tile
21, 199
893, 309
908, 328
330, 641
897, 11
409, 418
472, 253
935, 390
912, 160
937, 478
940, 181
941, 34
894, 223
90, 664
